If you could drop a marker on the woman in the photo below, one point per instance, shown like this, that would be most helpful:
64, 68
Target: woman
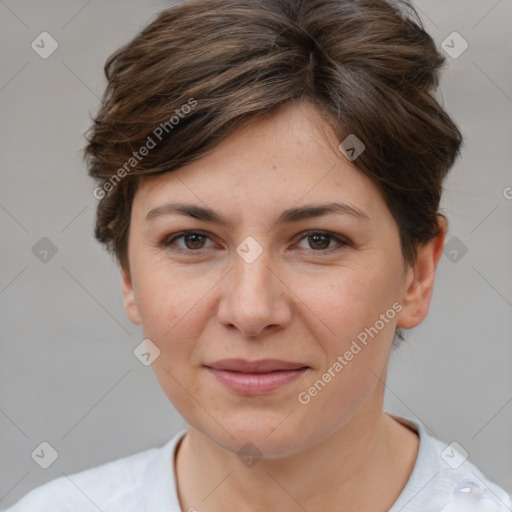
269, 174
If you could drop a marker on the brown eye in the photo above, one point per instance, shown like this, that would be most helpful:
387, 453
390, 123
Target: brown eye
319, 241
322, 242
192, 241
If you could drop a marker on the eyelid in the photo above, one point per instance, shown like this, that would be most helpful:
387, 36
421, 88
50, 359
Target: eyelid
169, 240
341, 241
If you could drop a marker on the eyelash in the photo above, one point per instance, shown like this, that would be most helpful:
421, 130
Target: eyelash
168, 242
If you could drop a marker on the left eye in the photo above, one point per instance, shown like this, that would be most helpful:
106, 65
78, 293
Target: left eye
321, 240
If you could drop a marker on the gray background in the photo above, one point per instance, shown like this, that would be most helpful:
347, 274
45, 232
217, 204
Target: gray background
68, 375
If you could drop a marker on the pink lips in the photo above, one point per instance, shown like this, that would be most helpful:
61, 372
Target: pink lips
256, 377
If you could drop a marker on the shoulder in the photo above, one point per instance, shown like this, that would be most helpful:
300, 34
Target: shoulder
113, 486
462, 485
445, 480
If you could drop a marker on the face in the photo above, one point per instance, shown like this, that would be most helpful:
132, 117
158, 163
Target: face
249, 282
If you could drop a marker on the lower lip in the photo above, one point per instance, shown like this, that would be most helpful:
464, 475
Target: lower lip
256, 383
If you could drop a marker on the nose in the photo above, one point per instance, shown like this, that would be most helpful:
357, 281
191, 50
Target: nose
254, 298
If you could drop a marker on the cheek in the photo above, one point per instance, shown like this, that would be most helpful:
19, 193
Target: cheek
348, 301
353, 320
170, 298
356, 345
174, 307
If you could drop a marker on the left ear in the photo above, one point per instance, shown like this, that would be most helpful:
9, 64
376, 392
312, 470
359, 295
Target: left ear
419, 280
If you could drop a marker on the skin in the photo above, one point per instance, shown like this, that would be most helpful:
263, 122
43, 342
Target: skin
303, 300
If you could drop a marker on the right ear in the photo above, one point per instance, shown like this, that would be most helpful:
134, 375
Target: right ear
130, 304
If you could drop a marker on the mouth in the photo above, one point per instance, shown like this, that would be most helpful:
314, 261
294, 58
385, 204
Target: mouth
255, 377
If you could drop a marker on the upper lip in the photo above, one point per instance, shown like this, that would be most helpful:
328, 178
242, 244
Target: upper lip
261, 366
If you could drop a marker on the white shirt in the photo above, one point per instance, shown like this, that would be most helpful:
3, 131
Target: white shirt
441, 480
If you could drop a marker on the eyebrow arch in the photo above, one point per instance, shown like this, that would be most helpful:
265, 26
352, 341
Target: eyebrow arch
288, 216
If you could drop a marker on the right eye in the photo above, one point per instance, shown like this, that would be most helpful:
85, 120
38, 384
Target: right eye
193, 242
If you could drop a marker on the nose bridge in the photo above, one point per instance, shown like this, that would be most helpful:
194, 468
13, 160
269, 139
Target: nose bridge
254, 278
254, 281
252, 274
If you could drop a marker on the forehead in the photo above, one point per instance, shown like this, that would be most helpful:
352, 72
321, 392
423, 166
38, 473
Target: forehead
277, 161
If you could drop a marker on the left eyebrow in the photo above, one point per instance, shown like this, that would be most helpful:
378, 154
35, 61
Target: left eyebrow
286, 217
311, 211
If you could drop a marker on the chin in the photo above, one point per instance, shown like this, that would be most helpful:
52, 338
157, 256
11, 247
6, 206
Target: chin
266, 436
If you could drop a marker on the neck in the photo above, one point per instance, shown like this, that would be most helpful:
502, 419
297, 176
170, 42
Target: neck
370, 452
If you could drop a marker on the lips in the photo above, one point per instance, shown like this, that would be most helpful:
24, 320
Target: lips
255, 377
262, 366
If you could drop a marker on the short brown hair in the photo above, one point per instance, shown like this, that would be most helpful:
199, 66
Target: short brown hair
202, 69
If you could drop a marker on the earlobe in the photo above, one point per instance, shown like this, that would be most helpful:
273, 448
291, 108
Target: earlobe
130, 304
419, 281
